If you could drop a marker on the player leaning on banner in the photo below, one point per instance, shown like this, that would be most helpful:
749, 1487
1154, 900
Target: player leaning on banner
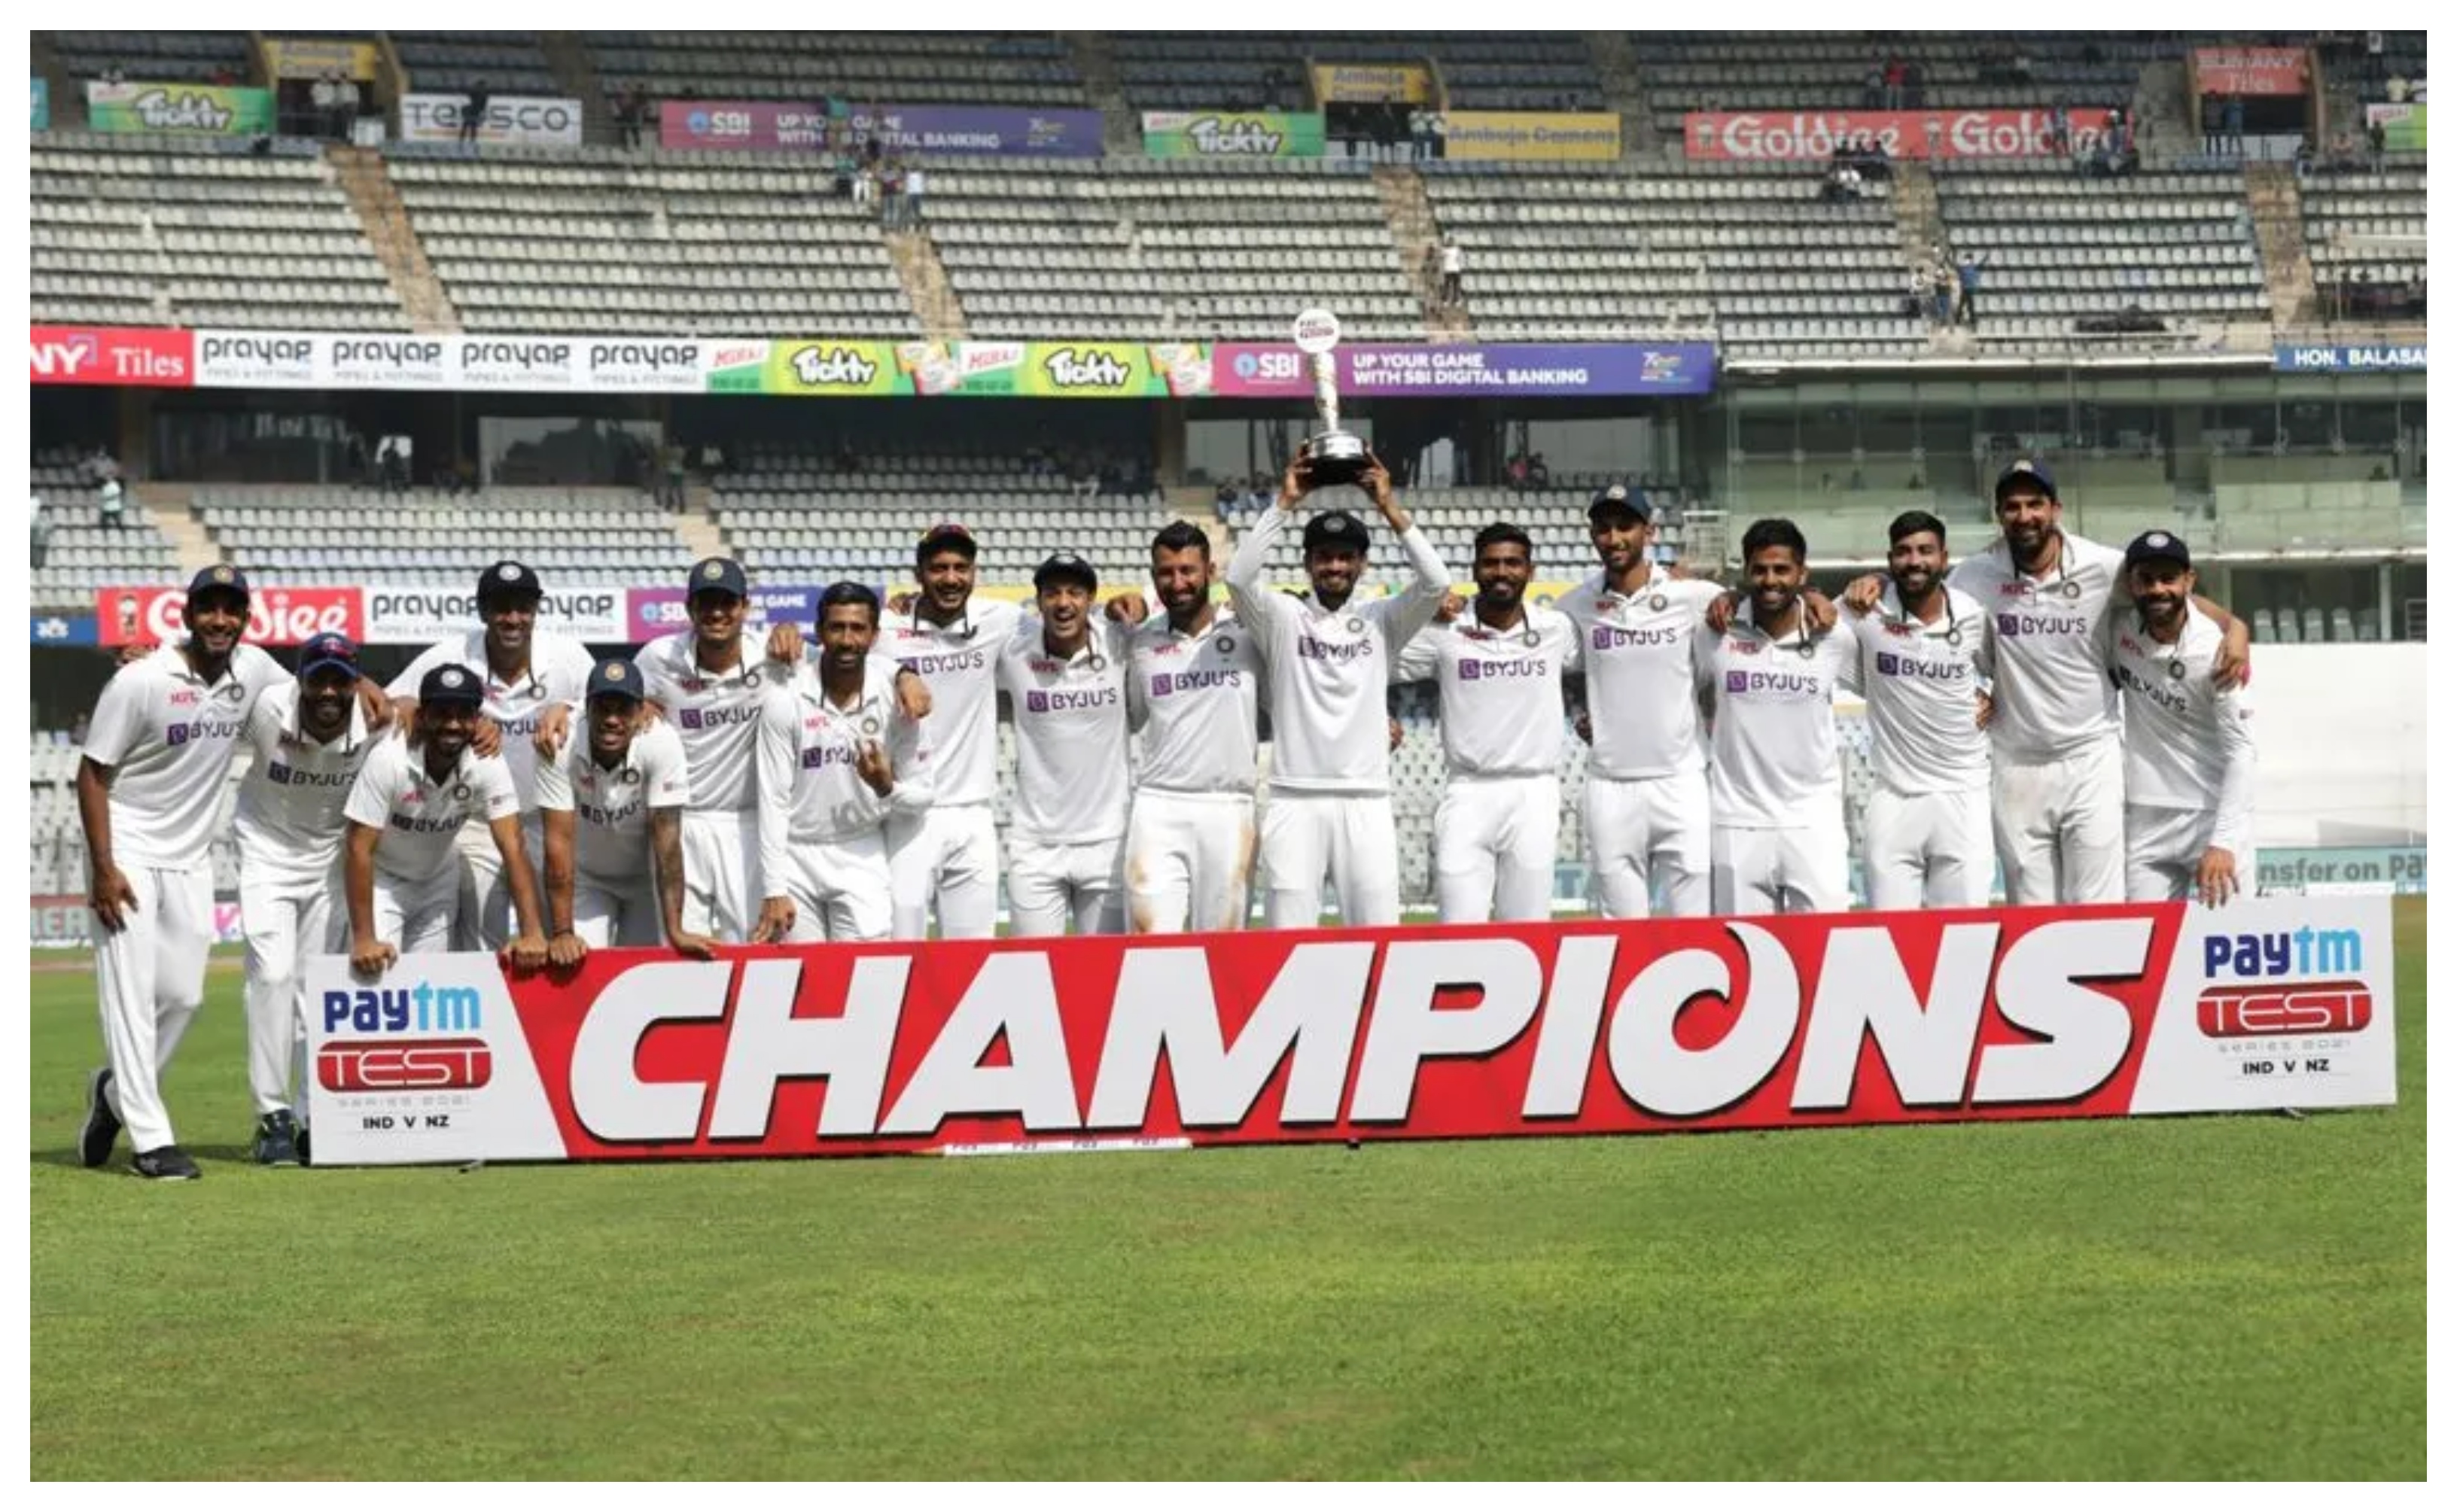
2188, 748
1063, 675
612, 804
1498, 669
1329, 660
2058, 764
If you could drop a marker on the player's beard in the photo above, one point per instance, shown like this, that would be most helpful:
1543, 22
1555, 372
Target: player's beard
2162, 613
1767, 605
324, 715
1914, 584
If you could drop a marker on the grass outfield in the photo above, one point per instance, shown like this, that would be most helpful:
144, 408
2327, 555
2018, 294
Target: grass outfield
2219, 1297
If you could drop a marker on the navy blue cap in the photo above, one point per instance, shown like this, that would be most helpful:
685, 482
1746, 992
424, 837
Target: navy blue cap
717, 575
2026, 471
1618, 498
451, 684
228, 578
1066, 565
508, 580
1336, 527
326, 651
946, 536
615, 675
2157, 546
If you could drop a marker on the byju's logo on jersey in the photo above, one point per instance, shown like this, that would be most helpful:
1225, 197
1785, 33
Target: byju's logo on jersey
1061, 701
1164, 684
1471, 669
716, 718
285, 775
1893, 664
2017, 625
1614, 638
1782, 684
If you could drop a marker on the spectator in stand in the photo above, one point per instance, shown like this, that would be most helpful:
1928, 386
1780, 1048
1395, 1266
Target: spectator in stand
1916, 304
473, 111
1841, 184
225, 76
2022, 68
891, 194
2213, 125
1894, 76
326, 103
1967, 272
42, 525
630, 107
346, 92
1941, 287
1226, 501
2060, 128
1454, 266
1914, 86
2377, 133
112, 499
2398, 88
392, 466
914, 181
1873, 86
672, 476
2233, 118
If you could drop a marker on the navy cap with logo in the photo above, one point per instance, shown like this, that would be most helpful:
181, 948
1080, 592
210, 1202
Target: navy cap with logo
1618, 500
717, 575
451, 684
1065, 566
1337, 528
947, 535
2157, 546
218, 579
2026, 471
508, 580
328, 652
615, 675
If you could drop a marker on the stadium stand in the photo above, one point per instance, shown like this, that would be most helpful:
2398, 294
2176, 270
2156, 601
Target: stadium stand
2367, 240
1265, 71
1011, 67
506, 62
189, 57
83, 555
570, 536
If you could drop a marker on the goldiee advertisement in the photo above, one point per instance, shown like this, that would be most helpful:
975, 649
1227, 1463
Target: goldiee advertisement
1803, 136
1231, 134
188, 109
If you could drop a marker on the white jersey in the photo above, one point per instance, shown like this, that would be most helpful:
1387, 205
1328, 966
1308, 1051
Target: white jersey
559, 668
1329, 668
1194, 699
289, 814
421, 817
2187, 742
1640, 656
1070, 735
1776, 766
958, 662
1922, 682
2052, 693
715, 713
1500, 690
610, 845
810, 792
167, 735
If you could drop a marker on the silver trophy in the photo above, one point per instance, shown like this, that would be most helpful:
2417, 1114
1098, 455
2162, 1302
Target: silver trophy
1332, 455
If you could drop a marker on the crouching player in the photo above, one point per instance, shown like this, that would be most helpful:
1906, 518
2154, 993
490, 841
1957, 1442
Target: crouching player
612, 803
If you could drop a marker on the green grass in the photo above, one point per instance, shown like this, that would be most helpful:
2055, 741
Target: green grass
2222, 1297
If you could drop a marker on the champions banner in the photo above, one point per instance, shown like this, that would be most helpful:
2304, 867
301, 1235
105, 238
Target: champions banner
1634, 1027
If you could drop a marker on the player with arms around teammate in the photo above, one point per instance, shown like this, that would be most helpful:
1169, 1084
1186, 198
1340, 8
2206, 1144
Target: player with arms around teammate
1638, 628
401, 856
148, 790
1330, 671
1777, 780
2188, 750
1922, 663
1499, 672
310, 739
1064, 677
612, 804
837, 759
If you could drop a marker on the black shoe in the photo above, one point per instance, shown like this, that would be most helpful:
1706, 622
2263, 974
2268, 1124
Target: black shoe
170, 1163
101, 1125
277, 1139
302, 1146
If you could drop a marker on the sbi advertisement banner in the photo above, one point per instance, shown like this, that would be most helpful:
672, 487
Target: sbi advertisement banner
1265, 370
981, 131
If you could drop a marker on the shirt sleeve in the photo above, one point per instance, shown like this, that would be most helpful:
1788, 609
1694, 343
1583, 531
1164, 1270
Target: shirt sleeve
554, 780
665, 773
259, 733
1420, 658
2233, 831
1840, 650
256, 670
1849, 675
434, 656
908, 753
571, 668
502, 798
370, 800
1414, 608
777, 756
1258, 607
117, 725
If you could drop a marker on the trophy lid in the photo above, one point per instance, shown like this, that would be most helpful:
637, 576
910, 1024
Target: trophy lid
1317, 331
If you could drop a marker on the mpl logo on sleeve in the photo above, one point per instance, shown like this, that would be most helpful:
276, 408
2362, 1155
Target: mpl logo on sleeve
262, 359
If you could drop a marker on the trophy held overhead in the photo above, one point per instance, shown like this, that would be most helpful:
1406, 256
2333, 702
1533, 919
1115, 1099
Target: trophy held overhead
1332, 456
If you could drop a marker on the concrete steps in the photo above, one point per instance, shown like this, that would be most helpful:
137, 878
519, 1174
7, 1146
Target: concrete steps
362, 174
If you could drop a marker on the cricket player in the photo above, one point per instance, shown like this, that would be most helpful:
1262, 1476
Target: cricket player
1644, 811
837, 758
1329, 660
948, 852
612, 804
1064, 676
149, 793
310, 738
1922, 662
2188, 750
1499, 672
401, 855
523, 672
1195, 679
1776, 782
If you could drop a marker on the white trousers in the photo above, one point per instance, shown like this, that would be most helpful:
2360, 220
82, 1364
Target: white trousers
287, 916
1495, 842
1805, 869
603, 914
151, 980
1048, 886
839, 890
950, 852
1649, 833
2060, 827
485, 914
420, 917
1350, 835
1929, 851
2163, 850
1190, 862
721, 886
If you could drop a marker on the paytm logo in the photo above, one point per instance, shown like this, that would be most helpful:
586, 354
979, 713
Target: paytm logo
423, 1008
2306, 952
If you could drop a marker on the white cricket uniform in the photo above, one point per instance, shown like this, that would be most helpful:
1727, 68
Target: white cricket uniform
288, 826
2188, 759
1498, 827
167, 736
950, 851
419, 885
1070, 820
614, 881
1329, 678
822, 829
716, 714
1776, 782
2058, 774
1190, 831
558, 673
1926, 836
1645, 805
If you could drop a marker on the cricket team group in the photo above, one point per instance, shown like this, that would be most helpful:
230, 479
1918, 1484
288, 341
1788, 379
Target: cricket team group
2070, 711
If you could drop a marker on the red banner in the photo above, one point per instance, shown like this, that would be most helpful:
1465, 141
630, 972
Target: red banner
2248, 70
105, 353
1636, 1026
1801, 136
275, 617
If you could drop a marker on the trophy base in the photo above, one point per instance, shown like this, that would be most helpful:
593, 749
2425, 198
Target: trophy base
1336, 456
